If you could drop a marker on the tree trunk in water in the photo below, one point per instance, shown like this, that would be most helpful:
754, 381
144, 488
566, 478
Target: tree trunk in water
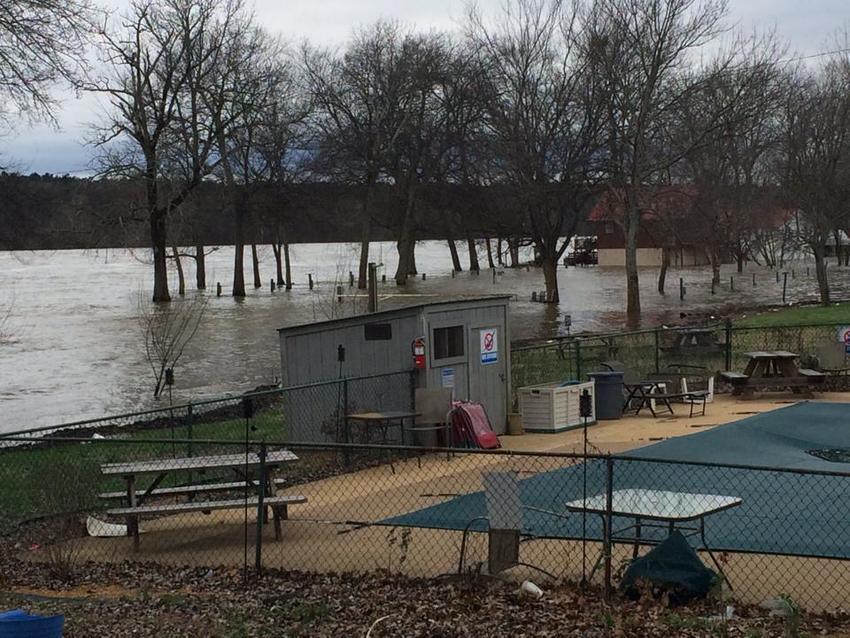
632, 277
406, 244
287, 265
160, 267
489, 254
820, 269
473, 254
837, 247
255, 262
740, 262
662, 274
181, 280
513, 248
365, 237
499, 258
200, 267
238, 289
715, 268
278, 263
239, 245
549, 263
455, 257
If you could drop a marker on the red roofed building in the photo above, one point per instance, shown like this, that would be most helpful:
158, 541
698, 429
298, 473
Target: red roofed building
659, 230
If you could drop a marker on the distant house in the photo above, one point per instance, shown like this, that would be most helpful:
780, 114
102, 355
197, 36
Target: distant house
654, 236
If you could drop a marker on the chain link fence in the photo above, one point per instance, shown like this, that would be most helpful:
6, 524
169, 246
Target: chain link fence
714, 347
355, 508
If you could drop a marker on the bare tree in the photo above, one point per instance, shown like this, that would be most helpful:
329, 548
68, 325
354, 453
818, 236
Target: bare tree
727, 131
43, 43
160, 62
360, 112
166, 330
638, 48
543, 119
815, 163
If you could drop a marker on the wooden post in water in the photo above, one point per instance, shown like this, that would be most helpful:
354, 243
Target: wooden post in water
534, 295
423, 276
310, 280
339, 294
350, 279
712, 285
754, 280
271, 284
218, 289
384, 278
681, 288
372, 283
784, 285
777, 276
494, 276
732, 283
453, 273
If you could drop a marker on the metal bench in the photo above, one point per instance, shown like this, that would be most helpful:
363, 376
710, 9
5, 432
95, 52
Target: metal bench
278, 504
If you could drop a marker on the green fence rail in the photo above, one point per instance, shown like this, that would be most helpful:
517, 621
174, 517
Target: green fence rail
716, 347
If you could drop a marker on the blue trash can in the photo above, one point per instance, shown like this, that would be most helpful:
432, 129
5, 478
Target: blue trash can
19, 624
608, 394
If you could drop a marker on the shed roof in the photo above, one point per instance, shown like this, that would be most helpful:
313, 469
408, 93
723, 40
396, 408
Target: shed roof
383, 314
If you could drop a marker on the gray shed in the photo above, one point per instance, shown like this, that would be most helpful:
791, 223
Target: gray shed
467, 348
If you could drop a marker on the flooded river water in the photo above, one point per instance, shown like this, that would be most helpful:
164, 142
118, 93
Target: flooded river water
73, 348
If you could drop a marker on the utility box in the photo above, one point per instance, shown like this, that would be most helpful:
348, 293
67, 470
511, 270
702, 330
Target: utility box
463, 345
553, 407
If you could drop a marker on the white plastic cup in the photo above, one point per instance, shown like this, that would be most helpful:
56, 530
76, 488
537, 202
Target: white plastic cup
531, 590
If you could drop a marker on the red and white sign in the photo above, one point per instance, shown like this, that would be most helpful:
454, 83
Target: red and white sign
844, 335
489, 345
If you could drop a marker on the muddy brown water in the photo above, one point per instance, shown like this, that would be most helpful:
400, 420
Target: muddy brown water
74, 349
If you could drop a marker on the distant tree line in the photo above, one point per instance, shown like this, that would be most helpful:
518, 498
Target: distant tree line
516, 126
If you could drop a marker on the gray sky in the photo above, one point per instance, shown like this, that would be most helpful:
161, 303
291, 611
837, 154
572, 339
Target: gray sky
806, 25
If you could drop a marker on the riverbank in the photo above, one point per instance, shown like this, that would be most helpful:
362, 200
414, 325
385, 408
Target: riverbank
75, 351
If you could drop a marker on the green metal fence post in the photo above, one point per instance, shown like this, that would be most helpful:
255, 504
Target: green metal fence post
578, 360
261, 518
728, 357
657, 348
606, 537
346, 425
189, 429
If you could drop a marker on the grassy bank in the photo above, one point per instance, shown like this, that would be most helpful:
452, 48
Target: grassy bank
797, 316
56, 476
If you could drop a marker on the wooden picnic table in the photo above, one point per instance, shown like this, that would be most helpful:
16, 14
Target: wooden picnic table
242, 464
687, 340
772, 368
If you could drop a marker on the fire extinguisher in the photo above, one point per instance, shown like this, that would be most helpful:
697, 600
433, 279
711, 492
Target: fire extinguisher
419, 353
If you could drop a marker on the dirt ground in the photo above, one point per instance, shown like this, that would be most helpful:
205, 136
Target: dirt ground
330, 533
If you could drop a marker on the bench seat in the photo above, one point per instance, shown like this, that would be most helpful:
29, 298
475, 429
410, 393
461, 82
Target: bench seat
814, 375
734, 376
189, 489
278, 505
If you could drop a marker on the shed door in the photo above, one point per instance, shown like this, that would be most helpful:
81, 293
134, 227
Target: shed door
487, 371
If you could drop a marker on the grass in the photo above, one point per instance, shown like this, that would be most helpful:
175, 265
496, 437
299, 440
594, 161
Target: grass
65, 477
798, 316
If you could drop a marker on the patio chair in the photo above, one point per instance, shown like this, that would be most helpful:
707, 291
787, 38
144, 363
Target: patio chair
433, 424
689, 378
504, 523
